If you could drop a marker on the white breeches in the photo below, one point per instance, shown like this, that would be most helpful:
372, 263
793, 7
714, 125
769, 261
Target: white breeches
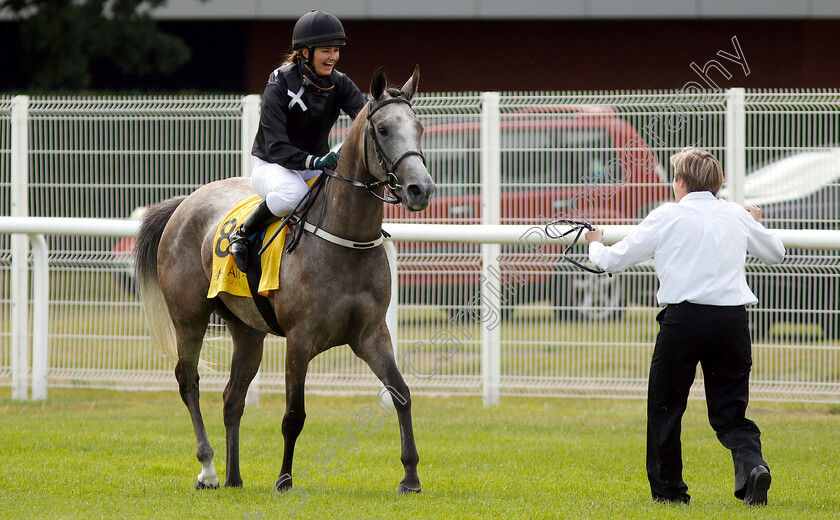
281, 188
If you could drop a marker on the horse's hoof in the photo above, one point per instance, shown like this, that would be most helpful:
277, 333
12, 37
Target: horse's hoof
200, 485
402, 490
282, 485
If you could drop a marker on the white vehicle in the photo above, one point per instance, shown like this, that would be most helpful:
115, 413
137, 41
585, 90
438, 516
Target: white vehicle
801, 191
799, 188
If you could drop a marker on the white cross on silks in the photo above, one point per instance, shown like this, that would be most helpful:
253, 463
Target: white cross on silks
296, 99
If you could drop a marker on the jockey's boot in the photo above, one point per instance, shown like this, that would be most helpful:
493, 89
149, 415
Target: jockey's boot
238, 248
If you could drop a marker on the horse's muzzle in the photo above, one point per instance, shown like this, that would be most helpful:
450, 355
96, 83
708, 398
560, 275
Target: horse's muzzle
415, 196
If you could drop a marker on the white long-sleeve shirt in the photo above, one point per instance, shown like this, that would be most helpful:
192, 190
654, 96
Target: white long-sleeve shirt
699, 247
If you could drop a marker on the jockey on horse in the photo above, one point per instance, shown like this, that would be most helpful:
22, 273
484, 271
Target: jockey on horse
300, 105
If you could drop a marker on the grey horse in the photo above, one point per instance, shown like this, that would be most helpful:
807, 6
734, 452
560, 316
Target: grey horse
329, 294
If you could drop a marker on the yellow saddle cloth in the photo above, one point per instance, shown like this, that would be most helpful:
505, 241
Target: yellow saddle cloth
226, 276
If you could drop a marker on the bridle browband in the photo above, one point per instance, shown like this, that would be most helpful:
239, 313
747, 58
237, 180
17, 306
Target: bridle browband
577, 227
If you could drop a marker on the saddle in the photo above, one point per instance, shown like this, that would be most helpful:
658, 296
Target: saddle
266, 252
228, 278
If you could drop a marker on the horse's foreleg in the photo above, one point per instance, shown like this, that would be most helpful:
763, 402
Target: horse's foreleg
377, 351
297, 362
247, 355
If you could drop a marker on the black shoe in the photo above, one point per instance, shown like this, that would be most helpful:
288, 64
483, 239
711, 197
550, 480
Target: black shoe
757, 485
238, 249
239, 240
680, 499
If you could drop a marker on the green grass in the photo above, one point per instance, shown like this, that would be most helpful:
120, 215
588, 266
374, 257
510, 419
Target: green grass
105, 454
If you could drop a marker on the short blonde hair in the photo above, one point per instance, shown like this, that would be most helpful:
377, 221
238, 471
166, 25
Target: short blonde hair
699, 169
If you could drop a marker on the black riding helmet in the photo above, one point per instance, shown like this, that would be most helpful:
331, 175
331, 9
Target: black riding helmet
318, 29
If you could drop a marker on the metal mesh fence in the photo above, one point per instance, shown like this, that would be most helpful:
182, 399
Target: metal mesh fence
5, 243
600, 157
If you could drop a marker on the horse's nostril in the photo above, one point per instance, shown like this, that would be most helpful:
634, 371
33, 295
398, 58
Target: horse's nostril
414, 191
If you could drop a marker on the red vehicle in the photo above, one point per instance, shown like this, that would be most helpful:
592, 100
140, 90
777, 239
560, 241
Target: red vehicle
566, 161
578, 162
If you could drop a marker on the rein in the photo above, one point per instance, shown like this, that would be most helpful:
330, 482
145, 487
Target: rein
303, 206
370, 186
577, 227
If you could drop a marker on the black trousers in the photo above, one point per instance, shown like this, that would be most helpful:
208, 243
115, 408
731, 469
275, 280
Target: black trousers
718, 338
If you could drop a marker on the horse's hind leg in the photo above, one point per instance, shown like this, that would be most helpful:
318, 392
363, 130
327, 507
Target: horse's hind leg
247, 355
190, 337
376, 350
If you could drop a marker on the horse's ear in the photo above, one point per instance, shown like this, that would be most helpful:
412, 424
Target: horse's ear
410, 87
378, 84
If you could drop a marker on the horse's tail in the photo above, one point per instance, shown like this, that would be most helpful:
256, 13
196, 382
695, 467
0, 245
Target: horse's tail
159, 322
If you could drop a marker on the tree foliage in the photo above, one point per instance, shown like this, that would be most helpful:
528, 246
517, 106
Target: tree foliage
62, 39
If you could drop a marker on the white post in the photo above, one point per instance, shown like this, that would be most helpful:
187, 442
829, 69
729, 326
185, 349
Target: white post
20, 247
250, 124
41, 314
252, 397
392, 318
736, 138
490, 285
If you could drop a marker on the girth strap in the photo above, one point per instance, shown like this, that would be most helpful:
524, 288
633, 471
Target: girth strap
263, 303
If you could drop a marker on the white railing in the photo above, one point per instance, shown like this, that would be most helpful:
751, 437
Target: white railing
491, 373
486, 314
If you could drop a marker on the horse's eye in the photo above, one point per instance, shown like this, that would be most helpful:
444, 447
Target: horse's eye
383, 130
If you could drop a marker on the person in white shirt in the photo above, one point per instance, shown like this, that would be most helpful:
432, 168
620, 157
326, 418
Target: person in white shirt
699, 246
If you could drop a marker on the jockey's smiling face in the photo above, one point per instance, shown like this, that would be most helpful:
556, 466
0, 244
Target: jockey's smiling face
324, 59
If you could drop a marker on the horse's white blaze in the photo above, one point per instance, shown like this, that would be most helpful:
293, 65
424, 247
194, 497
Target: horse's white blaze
208, 475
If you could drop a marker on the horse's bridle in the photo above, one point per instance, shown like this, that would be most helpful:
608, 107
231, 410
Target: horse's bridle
385, 162
577, 227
